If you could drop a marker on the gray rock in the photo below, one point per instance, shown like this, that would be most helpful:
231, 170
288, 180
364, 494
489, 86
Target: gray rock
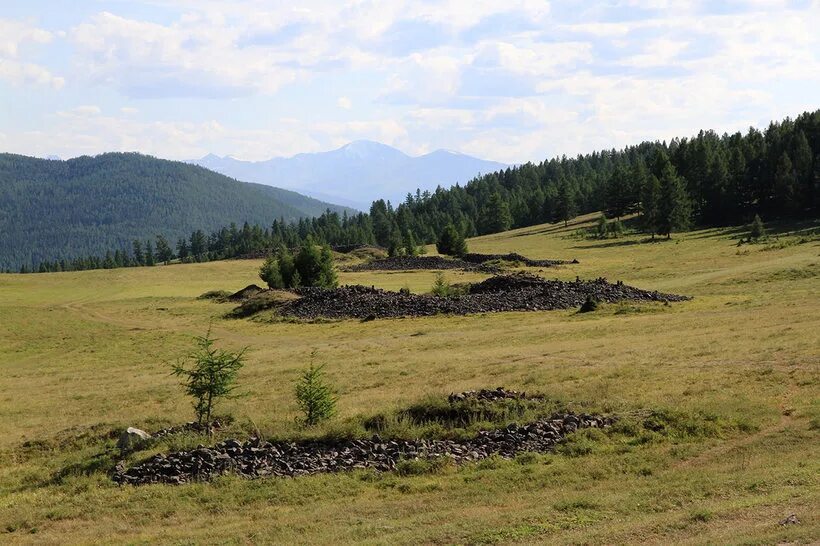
132, 438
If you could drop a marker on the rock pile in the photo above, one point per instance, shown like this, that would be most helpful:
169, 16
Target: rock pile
518, 292
414, 263
488, 395
476, 258
257, 458
193, 426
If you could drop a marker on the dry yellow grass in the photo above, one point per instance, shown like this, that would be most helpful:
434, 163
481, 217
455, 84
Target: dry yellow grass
78, 350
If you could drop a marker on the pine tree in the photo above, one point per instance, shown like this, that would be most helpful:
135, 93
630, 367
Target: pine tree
785, 185
315, 265
495, 215
565, 206
199, 245
619, 193
139, 258
675, 207
650, 205
149, 254
411, 248
451, 242
182, 249
271, 274
164, 252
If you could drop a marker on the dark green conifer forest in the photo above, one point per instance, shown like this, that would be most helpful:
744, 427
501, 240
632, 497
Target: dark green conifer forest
705, 180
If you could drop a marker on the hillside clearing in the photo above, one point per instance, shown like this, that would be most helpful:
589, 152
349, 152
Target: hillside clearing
738, 367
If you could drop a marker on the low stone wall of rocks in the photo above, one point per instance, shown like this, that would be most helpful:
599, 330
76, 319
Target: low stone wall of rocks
476, 258
490, 395
257, 458
519, 292
416, 263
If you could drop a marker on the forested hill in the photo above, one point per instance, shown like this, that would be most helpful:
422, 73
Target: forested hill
64, 209
705, 180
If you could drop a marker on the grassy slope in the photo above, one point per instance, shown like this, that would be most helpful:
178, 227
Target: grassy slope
81, 349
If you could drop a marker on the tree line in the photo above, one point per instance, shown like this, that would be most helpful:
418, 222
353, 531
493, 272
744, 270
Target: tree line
706, 180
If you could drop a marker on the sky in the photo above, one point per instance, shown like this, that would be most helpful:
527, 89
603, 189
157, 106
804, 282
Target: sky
512, 80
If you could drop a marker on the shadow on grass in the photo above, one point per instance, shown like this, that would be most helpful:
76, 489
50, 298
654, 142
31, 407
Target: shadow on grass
100, 463
622, 243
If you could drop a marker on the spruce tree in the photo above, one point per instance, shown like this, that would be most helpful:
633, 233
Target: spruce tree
271, 274
650, 205
451, 242
495, 215
139, 258
565, 205
315, 395
164, 252
149, 254
411, 248
182, 249
675, 207
619, 193
785, 185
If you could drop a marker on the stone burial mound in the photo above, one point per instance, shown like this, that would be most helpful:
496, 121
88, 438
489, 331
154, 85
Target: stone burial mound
416, 263
256, 458
475, 258
517, 292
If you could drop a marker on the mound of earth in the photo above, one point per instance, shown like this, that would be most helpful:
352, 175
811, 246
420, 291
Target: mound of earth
265, 299
413, 263
476, 258
257, 458
246, 293
518, 292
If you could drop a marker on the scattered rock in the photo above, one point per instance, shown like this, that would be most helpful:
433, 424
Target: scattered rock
132, 438
256, 458
790, 520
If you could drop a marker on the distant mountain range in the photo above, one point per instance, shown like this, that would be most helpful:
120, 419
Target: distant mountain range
357, 173
52, 209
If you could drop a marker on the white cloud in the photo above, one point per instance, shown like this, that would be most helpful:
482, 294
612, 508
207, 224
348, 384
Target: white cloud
85, 130
15, 36
81, 111
511, 81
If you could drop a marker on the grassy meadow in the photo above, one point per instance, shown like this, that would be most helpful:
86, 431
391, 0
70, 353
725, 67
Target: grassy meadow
735, 372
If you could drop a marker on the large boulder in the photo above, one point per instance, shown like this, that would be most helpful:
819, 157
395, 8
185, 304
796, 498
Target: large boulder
132, 438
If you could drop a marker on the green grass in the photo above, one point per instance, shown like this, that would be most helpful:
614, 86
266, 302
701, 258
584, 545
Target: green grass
718, 397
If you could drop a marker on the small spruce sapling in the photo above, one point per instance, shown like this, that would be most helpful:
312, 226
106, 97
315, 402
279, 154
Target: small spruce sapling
441, 287
314, 395
208, 375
